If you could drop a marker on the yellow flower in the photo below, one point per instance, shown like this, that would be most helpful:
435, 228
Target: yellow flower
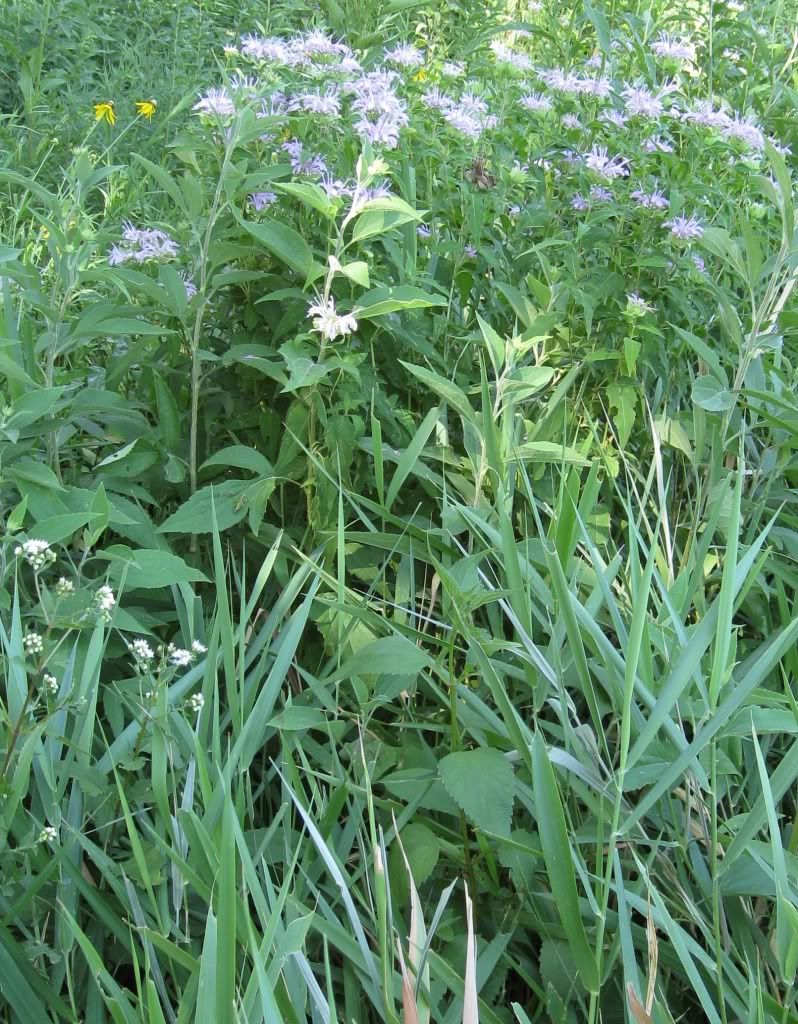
105, 112
146, 108
420, 75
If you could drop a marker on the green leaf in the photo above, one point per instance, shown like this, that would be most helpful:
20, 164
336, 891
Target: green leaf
379, 301
58, 528
422, 848
447, 389
147, 569
357, 271
286, 244
481, 782
297, 719
391, 655
709, 394
375, 222
559, 865
548, 451
310, 194
242, 457
194, 515
28, 471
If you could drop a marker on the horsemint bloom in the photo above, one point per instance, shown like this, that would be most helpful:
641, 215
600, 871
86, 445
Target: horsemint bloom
685, 227
328, 322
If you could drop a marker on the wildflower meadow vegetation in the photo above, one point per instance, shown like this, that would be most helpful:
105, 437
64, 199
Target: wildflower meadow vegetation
399, 512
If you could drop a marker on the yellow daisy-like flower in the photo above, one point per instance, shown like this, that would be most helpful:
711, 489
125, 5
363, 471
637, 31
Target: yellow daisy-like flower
420, 75
146, 108
105, 112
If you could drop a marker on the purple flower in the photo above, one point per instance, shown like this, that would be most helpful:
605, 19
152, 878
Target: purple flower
504, 55
215, 103
275, 105
327, 104
382, 190
744, 131
578, 202
469, 116
384, 131
470, 252
571, 121
671, 48
423, 231
436, 100
268, 49
117, 256
301, 163
656, 144
260, 200
350, 66
561, 81
598, 87
637, 305
605, 166
705, 114
536, 102
374, 94
243, 83
650, 200
699, 263
685, 227
142, 245
616, 118
335, 188
317, 44
641, 102
452, 69
188, 281
405, 55
601, 194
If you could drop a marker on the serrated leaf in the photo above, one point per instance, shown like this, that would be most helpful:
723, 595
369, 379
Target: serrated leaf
481, 782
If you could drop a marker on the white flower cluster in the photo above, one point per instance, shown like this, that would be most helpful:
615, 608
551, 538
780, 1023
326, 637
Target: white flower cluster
33, 643
105, 602
37, 553
64, 587
196, 702
48, 834
182, 658
142, 652
50, 682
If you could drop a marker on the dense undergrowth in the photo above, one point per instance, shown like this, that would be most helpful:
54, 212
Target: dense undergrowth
398, 479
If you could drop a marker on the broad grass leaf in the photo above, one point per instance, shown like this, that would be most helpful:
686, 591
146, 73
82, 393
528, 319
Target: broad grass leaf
481, 782
549, 451
559, 866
